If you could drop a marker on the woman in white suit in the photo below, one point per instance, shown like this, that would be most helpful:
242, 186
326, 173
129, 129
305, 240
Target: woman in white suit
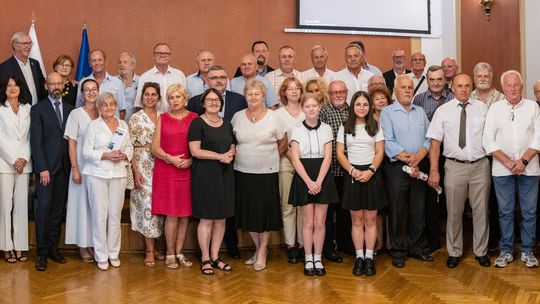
107, 150
15, 169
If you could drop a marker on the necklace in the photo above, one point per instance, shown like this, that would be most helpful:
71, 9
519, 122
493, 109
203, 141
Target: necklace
254, 116
213, 121
180, 115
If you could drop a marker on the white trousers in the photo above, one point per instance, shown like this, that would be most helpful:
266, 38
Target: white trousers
14, 211
106, 198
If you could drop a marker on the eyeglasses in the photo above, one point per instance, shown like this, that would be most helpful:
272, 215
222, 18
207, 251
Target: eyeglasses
218, 78
212, 100
25, 43
337, 92
417, 59
94, 90
162, 54
64, 65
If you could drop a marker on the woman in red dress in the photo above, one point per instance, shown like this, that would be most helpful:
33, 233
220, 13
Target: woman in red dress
171, 183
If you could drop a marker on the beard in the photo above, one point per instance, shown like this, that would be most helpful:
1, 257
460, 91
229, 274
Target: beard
483, 86
56, 94
261, 60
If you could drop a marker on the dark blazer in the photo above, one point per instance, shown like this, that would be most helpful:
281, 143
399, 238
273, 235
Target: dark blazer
238, 73
389, 77
47, 142
234, 102
11, 66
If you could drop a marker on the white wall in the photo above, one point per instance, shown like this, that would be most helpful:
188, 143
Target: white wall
443, 28
531, 52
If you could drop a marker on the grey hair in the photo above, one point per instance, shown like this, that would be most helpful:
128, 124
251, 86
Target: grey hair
510, 72
103, 97
131, 55
482, 66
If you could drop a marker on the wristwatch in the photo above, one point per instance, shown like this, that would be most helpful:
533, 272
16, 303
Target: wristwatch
372, 169
525, 162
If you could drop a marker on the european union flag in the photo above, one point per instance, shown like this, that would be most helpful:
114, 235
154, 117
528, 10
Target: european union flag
83, 66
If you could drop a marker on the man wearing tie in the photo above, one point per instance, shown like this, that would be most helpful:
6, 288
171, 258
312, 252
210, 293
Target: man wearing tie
25, 68
459, 125
51, 166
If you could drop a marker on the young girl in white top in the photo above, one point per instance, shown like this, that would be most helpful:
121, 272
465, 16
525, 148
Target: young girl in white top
313, 185
363, 192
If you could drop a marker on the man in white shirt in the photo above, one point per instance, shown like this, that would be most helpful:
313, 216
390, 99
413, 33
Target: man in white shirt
126, 73
354, 77
287, 60
161, 73
107, 82
25, 68
512, 136
319, 57
459, 125
418, 64
197, 82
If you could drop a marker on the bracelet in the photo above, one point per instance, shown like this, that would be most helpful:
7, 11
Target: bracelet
372, 168
351, 171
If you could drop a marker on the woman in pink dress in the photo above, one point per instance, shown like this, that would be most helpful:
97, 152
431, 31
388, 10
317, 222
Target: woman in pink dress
171, 182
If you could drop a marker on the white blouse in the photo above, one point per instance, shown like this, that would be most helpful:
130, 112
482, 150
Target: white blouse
361, 147
310, 140
96, 141
15, 136
257, 148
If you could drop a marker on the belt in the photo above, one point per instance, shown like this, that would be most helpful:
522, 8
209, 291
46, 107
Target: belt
465, 161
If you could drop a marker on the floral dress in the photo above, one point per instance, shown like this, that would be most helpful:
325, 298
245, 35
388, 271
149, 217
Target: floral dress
141, 129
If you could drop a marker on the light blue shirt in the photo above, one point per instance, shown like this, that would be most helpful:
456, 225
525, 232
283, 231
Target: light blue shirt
270, 98
130, 92
404, 131
373, 69
195, 84
111, 85
52, 100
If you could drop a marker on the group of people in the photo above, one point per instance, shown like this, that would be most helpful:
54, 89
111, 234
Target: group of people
337, 160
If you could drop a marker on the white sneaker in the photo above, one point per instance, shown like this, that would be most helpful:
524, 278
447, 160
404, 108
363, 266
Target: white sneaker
529, 259
503, 259
115, 262
103, 265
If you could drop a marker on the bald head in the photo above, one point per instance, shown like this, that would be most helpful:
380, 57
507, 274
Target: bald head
248, 66
403, 88
54, 85
462, 87
376, 81
338, 93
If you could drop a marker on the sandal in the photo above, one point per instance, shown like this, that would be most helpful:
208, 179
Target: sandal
184, 261
226, 267
159, 255
22, 257
9, 257
170, 261
207, 271
149, 260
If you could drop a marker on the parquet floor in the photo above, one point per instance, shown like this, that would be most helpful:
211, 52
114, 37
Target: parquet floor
418, 282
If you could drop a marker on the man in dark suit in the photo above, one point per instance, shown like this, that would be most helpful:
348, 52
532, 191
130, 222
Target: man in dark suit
398, 68
217, 79
25, 68
51, 166
233, 102
261, 52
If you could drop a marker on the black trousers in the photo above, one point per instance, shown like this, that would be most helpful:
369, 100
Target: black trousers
435, 205
340, 230
49, 210
407, 210
231, 236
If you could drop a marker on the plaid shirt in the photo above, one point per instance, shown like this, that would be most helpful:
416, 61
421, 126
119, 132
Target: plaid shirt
430, 104
335, 118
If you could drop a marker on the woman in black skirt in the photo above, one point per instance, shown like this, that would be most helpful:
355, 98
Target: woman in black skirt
212, 144
363, 192
313, 185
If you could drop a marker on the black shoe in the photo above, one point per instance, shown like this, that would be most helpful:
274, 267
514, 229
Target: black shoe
421, 256
432, 248
234, 253
452, 262
292, 255
301, 255
483, 261
57, 257
370, 267
319, 271
309, 271
359, 266
333, 256
398, 263
41, 264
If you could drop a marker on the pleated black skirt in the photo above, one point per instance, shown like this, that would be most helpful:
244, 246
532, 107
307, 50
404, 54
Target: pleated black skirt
299, 195
370, 195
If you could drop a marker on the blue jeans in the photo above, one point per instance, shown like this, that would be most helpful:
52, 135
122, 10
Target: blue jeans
505, 189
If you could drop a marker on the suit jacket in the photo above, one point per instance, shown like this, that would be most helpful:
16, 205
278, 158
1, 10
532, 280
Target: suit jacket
11, 66
47, 142
15, 135
234, 102
389, 77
